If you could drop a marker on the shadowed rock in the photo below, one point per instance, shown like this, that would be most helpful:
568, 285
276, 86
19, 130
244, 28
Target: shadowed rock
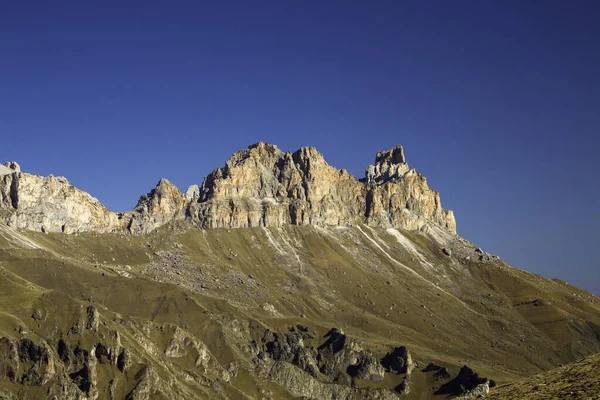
399, 360
465, 381
335, 342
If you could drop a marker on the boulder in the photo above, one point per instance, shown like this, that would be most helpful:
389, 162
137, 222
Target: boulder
398, 360
465, 382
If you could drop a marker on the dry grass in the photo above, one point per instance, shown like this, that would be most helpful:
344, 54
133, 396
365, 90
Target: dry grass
503, 322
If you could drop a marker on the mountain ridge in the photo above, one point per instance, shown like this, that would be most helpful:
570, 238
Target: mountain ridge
258, 186
332, 287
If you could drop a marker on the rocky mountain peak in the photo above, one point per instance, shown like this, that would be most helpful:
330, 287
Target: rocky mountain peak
308, 158
265, 147
389, 165
395, 155
247, 173
163, 204
49, 204
257, 154
164, 190
258, 186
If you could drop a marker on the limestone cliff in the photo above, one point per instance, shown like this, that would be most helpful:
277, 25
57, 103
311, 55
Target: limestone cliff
399, 196
163, 204
49, 204
258, 186
263, 186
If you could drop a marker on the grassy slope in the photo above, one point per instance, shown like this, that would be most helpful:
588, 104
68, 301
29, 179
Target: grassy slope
578, 380
220, 285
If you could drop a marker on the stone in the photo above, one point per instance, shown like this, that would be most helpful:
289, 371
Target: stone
398, 360
258, 186
389, 165
33, 202
124, 360
93, 318
12, 165
339, 359
477, 392
5, 170
290, 347
163, 204
465, 382
103, 354
263, 186
367, 367
38, 359
192, 193
404, 386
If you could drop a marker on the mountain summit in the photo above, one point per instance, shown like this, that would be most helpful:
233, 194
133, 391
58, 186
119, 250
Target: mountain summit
258, 186
330, 287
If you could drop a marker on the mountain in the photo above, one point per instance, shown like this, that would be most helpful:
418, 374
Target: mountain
277, 277
259, 186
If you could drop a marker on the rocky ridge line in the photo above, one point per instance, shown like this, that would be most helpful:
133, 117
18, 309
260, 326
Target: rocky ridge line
258, 186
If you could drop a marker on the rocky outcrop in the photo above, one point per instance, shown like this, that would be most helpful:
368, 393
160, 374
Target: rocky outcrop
389, 165
258, 186
9, 168
192, 193
50, 204
263, 186
398, 360
408, 203
23, 361
467, 384
324, 371
163, 204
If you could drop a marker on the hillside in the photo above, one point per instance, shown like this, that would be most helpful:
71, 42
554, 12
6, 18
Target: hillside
397, 306
578, 380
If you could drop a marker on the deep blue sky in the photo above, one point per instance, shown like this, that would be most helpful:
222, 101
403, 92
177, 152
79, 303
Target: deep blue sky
496, 102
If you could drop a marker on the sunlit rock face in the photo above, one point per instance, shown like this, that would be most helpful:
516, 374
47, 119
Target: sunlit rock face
258, 186
50, 204
163, 204
263, 186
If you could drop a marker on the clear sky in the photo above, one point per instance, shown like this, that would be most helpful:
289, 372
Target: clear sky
496, 102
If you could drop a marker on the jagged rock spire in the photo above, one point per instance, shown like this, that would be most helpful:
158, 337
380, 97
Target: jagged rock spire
389, 165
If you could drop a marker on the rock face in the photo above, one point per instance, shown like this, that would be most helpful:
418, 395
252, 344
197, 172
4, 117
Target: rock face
192, 193
25, 362
258, 186
263, 186
389, 165
50, 204
163, 204
327, 370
